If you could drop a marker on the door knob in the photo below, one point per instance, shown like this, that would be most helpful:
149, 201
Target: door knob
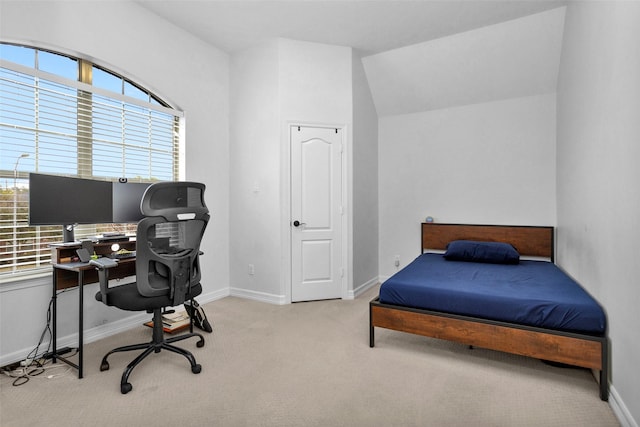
297, 223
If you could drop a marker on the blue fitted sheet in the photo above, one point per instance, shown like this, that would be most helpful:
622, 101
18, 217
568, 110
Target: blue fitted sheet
533, 293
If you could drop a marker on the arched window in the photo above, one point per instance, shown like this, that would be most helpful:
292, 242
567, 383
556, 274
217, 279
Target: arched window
67, 116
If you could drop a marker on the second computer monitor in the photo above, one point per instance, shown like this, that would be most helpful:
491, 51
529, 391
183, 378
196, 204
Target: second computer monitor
126, 201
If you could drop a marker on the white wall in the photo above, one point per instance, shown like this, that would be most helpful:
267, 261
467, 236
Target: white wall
365, 182
315, 82
189, 74
255, 173
491, 163
598, 198
274, 84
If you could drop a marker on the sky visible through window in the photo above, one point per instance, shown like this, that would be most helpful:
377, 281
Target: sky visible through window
67, 68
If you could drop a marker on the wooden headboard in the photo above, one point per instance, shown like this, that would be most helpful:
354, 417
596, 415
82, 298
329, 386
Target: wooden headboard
528, 240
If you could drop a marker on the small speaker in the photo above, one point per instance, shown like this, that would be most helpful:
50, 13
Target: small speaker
84, 255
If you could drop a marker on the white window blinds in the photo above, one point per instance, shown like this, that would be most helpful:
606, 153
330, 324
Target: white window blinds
54, 125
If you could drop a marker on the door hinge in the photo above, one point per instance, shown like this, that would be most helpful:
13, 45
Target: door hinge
342, 272
341, 210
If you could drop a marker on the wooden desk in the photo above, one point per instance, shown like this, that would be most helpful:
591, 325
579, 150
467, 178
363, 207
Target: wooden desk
68, 272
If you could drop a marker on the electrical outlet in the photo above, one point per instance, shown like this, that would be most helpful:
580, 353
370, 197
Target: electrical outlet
397, 261
252, 270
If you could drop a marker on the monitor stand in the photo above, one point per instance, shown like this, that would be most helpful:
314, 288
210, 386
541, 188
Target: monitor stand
67, 233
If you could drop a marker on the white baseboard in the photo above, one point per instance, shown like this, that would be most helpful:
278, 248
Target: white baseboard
363, 288
213, 296
281, 299
620, 409
258, 296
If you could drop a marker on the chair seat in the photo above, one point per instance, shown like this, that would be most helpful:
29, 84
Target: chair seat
127, 297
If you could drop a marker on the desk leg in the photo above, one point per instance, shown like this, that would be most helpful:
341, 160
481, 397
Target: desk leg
80, 320
54, 296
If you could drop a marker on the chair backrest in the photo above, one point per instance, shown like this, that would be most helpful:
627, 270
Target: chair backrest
168, 239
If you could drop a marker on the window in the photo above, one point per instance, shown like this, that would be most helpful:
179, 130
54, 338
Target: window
66, 116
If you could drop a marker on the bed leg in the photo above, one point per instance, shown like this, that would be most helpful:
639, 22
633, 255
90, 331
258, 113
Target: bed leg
372, 339
604, 371
604, 386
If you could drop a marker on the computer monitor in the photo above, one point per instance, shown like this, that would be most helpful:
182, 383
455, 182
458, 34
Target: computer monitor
62, 200
126, 201
66, 201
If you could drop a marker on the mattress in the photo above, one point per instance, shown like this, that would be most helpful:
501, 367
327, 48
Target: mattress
532, 293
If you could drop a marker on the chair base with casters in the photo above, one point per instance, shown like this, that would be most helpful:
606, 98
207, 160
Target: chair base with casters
158, 343
121, 296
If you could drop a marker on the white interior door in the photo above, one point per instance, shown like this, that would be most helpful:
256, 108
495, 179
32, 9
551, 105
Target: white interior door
316, 210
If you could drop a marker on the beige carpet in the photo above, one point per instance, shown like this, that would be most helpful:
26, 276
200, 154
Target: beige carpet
308, 364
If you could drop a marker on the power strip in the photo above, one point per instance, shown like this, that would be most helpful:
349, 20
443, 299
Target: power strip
59, 352
26, 362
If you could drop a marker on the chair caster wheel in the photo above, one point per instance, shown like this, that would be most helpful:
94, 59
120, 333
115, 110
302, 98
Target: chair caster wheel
196, 369
125, 388
200, 344
104, 366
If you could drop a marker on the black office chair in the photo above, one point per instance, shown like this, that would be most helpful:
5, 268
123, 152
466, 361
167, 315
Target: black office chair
167, 266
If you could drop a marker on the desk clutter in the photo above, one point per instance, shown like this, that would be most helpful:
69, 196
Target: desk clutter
123, 254
66, 252
173, 321
65, 255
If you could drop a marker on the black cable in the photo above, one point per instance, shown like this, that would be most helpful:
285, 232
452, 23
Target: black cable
33, 354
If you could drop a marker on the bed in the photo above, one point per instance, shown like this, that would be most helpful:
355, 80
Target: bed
550, 317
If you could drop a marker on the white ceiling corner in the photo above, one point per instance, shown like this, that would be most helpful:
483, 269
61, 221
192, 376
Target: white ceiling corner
370, 26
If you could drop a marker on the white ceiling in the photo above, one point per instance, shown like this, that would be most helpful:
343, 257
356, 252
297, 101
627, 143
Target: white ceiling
513, 59
371, 26
419, 55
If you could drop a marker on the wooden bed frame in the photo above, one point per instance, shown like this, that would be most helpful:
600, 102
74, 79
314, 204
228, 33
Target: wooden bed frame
576, 349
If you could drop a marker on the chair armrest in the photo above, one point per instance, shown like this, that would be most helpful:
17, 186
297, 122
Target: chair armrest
103, 265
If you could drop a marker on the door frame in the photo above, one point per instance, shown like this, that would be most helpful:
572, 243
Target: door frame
285, 211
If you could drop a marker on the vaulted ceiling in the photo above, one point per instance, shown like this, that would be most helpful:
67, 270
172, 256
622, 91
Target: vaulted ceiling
513, 59
418, 54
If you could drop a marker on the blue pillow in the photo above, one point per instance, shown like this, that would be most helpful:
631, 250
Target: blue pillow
490, 252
